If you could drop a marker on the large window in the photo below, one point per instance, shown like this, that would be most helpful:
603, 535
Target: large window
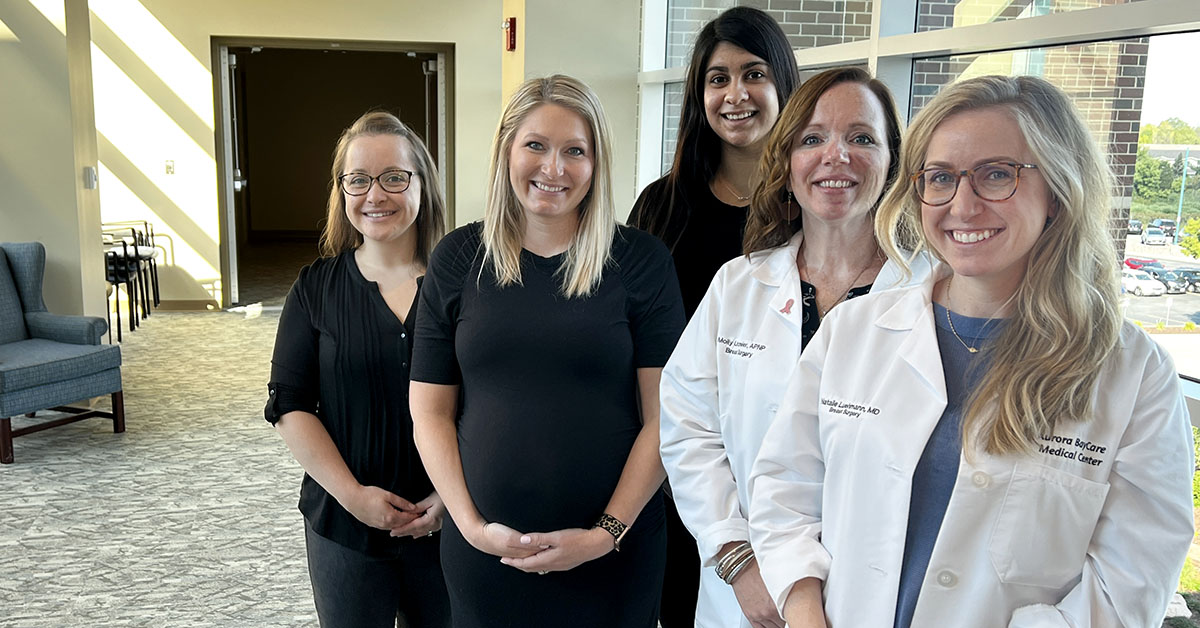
1127, 64
939, 14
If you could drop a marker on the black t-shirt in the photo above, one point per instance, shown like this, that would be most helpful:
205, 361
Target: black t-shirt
341, 354
710, 235
549, 401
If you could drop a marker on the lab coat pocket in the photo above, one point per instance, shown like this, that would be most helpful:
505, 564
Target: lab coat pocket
1045, 526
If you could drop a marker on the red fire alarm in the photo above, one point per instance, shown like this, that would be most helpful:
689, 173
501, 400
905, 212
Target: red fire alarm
510, 34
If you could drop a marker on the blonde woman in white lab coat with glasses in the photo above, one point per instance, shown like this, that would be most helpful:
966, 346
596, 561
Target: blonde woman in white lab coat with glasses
831, 155
996, 447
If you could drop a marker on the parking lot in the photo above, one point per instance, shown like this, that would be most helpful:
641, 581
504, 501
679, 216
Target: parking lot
1172, 310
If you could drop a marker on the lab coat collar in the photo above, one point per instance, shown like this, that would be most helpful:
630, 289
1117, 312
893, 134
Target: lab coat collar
905, 313
774, 266
777, 268
913, 313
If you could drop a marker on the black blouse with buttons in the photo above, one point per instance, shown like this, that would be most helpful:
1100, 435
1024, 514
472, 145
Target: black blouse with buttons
812, 317
343, 355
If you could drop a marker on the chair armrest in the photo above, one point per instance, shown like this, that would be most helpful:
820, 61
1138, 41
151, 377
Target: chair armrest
76, 330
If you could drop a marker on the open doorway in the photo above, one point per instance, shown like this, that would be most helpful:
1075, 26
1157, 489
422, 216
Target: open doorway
284, 104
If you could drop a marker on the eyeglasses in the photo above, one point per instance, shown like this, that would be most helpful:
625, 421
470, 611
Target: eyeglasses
993, 181
357, 183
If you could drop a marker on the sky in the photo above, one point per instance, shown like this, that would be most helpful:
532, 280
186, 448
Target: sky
1171, 86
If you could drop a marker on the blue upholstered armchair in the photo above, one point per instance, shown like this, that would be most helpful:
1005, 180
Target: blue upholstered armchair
48, 360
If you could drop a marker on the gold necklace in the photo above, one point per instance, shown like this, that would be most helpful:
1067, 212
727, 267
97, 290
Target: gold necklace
739, 197
845, 293
970, 348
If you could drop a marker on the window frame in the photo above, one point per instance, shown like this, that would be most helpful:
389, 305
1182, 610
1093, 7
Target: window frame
892, 47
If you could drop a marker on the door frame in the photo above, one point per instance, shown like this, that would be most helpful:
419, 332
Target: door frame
222, 93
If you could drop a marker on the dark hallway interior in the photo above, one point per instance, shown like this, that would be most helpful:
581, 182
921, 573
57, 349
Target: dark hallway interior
290, 106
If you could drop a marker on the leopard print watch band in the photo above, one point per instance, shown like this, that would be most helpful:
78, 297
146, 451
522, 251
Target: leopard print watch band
613, 526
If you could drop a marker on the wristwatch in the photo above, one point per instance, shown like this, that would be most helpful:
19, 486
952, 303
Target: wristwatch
613, 526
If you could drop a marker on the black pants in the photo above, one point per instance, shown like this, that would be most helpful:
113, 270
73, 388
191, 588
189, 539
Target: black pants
681, 583
354, 590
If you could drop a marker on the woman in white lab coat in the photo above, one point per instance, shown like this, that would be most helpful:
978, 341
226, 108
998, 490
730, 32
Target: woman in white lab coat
995, 447
825, 166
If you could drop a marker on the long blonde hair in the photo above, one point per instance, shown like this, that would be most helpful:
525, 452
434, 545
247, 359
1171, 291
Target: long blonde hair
339, 235
503, 218
1045, 364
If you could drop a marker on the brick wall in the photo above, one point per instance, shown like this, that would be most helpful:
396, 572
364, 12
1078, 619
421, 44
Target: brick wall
1106, 81
807, 23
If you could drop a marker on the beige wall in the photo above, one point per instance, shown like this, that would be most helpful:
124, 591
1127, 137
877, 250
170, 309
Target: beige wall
153, 99
154, 102
41, 195
597, 43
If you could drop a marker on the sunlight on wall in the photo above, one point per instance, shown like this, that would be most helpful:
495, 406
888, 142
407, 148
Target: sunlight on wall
972, 12
6, 33
145, 139
55, 11
115, 193
161, 52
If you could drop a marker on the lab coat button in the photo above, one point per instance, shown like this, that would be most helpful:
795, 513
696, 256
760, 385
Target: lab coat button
947, 579
772, 409
981, 479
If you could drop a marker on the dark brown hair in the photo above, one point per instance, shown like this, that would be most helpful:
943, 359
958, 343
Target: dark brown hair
698, 148
767, 223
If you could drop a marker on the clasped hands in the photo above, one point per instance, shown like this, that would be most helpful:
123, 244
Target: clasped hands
541, 552
387, 511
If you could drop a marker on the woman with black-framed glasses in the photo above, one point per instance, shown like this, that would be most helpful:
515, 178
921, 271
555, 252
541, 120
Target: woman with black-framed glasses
995, 447
339, 386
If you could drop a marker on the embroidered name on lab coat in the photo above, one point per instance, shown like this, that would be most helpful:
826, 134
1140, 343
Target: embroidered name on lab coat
1077, 449
852, 410
740, 348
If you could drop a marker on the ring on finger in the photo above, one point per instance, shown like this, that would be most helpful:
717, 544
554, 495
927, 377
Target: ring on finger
542, 573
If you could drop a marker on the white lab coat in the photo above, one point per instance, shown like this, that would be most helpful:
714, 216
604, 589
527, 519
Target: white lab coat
1091, 530
719, 390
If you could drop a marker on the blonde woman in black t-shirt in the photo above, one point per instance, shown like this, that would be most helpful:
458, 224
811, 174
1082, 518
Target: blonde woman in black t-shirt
541, 334
339, 380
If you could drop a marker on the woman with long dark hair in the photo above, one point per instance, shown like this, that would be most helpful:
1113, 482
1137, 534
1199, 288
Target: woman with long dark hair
742, 71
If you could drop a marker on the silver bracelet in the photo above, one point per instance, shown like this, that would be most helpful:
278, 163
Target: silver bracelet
733, 559
730, 557
739, 568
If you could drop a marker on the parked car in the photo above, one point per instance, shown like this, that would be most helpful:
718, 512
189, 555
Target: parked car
1135, 226
1141, 283
1167, 226
1138, 262
1169, 279
1154, 236
1192, 276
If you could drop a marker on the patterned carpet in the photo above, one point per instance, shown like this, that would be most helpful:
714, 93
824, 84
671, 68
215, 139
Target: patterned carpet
187, 519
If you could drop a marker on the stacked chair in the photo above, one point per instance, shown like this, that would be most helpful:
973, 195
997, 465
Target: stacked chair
48, 360
130, 259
